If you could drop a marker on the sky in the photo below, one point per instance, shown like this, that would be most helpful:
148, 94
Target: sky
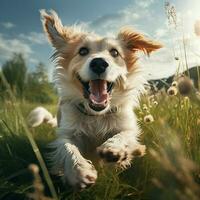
21, 28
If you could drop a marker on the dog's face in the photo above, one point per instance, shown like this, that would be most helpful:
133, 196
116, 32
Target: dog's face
96, 67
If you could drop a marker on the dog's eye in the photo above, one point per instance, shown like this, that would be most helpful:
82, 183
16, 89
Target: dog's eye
114, 53
83, 51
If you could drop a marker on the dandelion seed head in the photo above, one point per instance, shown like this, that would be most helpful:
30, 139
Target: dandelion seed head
155, 103
172, 91
148, 118
145, 108
185, 86
174, 83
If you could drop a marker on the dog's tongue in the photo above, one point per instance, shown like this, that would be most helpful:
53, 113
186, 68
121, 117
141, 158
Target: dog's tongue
98, 90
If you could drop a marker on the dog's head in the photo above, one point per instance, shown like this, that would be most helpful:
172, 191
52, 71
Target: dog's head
93, 69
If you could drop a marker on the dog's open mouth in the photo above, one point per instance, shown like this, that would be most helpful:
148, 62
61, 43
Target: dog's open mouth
98, 92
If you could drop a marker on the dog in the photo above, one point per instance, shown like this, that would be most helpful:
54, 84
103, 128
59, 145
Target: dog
99, 82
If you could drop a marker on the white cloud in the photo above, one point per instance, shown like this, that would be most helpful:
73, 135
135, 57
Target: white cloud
159, 64
8, 25
10, 46
107, 25
161, 32
144, 3
33, 61
34, 37
130, 15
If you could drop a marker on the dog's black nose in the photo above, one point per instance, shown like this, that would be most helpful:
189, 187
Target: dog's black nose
98, 65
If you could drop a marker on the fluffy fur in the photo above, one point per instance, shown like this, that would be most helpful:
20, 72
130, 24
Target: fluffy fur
110, 134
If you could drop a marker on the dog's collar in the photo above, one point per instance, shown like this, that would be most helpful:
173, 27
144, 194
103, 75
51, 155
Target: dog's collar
81, 108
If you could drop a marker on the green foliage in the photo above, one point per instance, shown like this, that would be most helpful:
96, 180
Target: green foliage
14, 70
38, 88
32, 86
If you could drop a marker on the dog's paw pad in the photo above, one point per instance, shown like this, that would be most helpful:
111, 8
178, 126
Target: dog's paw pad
111, 155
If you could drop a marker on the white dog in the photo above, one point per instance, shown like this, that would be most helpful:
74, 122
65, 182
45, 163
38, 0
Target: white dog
98, 83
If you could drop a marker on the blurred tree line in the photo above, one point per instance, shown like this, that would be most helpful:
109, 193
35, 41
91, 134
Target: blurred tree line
31, 86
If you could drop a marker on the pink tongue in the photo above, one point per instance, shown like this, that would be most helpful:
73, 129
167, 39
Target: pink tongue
98, 89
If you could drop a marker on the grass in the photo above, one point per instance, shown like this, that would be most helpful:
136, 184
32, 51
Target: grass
169, 170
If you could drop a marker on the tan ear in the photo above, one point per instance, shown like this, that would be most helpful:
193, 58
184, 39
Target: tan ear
135, 41
53, 28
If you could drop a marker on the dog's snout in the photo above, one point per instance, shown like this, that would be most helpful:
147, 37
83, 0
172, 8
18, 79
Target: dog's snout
98, 65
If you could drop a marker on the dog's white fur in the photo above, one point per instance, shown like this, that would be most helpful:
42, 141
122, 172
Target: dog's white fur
112, 135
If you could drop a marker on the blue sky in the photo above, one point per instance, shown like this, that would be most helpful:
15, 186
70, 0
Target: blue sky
21, 29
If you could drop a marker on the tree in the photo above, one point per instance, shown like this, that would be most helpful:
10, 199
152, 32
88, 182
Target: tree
38, 87
14, 70
40, 73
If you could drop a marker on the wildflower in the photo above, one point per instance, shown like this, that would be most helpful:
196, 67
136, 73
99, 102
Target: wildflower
148, 119
172, 91
155, 103
174, 83
145, 108
185, 86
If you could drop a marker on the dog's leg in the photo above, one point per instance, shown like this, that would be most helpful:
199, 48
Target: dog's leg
78, 172
121, 148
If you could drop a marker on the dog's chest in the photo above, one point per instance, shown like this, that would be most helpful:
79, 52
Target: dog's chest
98, 126
95, 128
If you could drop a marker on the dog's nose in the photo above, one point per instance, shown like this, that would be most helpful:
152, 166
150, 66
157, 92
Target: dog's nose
98, 65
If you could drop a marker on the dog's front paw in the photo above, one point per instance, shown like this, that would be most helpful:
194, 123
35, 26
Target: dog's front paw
122, 154
111, 153
83, 175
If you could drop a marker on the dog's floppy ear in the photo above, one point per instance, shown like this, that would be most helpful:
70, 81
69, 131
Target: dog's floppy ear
135, 41
53, 28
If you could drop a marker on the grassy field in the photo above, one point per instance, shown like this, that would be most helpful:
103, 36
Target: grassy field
170, 169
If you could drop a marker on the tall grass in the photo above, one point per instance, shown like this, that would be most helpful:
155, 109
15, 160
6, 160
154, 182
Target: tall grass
33, 144
169, 170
